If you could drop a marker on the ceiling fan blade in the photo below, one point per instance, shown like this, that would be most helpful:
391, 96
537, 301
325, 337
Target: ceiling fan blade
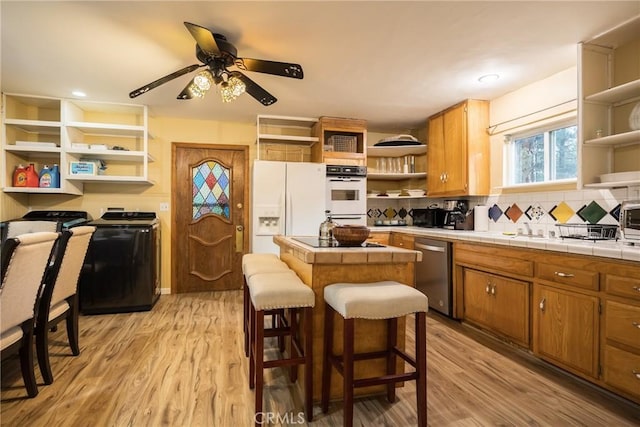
186, 93
284, 69
204, 38
163, 80
255, 90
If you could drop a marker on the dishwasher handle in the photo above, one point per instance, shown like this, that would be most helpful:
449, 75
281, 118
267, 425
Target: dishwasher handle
429, 248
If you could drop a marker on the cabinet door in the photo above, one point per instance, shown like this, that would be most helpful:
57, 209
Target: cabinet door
565, 326
435, 156
478, 304
497, 303
455, 153
511, 313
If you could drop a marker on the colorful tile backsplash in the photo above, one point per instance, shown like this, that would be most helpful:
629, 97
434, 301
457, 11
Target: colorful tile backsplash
542, 211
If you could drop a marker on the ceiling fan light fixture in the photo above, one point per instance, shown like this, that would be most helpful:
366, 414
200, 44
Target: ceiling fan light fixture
203, 80
231, 89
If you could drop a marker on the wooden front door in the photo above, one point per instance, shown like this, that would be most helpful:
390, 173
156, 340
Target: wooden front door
209, 199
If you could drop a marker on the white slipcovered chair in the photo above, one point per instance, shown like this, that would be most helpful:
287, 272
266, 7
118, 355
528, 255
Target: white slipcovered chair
16, 228
25, 259
60, 297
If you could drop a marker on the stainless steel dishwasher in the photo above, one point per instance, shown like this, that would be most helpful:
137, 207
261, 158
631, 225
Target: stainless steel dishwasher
433, 273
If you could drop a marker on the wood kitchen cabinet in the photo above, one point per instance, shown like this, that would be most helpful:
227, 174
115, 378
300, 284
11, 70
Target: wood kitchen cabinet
400, 240
497, 303
341, 141
621, 338
381, 238
458, 150
492, 289
565, 328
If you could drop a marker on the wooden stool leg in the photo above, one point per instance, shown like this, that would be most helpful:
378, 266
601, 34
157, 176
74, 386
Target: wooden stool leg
327, 352
421, 367
347, 363
259, 361
308, 361
293, 334
245, 317
252, 350
392, 339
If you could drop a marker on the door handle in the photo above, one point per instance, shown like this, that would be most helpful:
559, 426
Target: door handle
239, 238
429, 248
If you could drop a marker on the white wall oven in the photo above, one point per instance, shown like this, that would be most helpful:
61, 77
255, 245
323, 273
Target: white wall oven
347, 194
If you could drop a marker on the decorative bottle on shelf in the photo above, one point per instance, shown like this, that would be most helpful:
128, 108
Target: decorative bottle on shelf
326, 227
20, 176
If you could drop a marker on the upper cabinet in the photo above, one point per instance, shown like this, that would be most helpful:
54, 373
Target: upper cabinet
458, 151
47, 131
341, 141
285, 138
608, 90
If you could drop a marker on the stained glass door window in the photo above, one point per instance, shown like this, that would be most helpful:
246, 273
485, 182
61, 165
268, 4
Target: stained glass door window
211, 189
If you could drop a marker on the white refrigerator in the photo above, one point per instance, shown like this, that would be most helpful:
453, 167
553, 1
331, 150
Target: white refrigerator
288, 198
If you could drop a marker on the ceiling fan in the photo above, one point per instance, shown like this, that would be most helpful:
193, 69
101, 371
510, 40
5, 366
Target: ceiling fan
216, 54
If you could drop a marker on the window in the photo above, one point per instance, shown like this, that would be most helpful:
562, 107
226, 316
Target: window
542, 155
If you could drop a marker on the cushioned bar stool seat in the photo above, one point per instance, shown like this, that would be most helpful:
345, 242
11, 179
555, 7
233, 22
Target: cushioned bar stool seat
380, 300
254, 264
280, 291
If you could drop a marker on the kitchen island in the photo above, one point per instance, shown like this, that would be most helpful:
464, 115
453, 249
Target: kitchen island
320, 267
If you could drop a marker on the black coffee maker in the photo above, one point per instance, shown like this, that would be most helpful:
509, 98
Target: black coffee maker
457, 215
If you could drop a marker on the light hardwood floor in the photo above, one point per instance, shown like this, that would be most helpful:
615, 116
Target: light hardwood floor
182, 364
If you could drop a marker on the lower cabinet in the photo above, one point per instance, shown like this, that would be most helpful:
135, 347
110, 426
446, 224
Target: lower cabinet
621, 355
497, 303
565, 328
401, 240
381, 238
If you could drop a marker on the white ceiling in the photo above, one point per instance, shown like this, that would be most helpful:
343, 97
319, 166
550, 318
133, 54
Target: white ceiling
392, 63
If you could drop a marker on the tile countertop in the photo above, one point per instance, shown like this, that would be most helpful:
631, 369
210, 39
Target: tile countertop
601, 248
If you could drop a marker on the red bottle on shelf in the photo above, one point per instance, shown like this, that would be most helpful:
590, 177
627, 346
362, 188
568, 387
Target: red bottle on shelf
33, 180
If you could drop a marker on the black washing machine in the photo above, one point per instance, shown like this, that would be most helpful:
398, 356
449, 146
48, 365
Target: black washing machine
122, 269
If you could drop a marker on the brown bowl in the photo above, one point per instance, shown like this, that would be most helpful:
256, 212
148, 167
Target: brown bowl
350, 235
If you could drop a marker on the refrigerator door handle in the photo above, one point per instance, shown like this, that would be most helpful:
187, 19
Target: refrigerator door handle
288, 215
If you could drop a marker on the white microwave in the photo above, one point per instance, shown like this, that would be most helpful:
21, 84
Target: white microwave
630, 221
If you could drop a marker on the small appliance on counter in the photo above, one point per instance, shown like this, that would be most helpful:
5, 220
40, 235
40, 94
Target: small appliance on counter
432, 217
457, 215
630, 222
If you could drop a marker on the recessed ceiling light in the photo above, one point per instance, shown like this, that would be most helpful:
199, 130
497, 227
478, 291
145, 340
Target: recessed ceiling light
78, 93
487, 78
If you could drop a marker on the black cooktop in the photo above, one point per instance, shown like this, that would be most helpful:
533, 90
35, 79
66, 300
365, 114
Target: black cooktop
317, 243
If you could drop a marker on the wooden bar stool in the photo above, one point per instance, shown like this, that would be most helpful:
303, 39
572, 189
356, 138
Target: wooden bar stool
280, 291
381, 300
255, 264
